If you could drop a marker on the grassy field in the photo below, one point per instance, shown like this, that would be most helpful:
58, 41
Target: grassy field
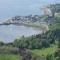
9, 57
44, 51
36, 52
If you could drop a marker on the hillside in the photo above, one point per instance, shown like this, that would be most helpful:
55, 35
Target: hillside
45, 46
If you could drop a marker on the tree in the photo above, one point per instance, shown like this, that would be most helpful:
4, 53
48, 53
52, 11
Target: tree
1, 43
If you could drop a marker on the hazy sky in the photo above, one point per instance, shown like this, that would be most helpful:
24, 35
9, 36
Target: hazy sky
9, 8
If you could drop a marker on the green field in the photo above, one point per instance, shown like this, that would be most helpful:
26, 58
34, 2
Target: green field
9, 57
36, 52
44, 51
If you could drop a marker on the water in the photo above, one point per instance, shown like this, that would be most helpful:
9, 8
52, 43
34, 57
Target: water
10, 8
10, 32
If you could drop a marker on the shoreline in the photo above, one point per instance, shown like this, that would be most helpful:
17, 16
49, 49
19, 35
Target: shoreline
34, 25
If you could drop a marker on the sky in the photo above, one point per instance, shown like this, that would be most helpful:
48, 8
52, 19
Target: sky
10, 8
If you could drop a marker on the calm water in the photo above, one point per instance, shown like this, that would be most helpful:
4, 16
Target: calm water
10, 32
10, 8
